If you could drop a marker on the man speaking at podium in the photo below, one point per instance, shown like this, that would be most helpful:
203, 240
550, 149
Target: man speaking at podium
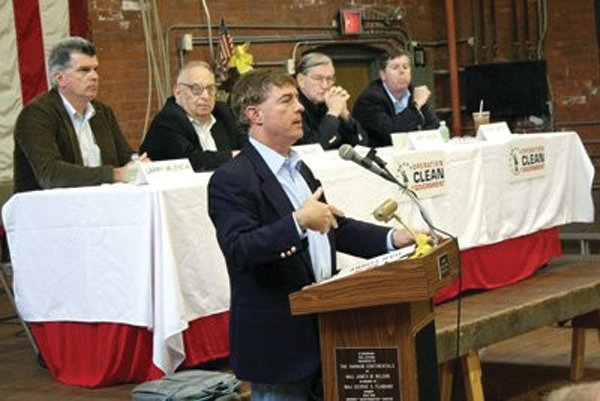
278, 234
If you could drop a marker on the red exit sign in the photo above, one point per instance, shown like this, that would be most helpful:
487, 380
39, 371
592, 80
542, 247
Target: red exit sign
350, 22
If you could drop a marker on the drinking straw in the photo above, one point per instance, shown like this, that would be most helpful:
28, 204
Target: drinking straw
480, 106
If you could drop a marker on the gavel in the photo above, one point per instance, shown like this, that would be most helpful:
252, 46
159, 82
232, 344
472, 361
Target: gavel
387, 211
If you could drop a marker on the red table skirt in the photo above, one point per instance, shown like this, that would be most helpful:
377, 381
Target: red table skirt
102, 354
503, 263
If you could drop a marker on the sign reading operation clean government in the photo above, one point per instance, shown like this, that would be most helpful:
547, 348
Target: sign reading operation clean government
526, 158
423, 172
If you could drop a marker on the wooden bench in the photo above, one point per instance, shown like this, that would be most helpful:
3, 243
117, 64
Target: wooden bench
584, 239
567, 289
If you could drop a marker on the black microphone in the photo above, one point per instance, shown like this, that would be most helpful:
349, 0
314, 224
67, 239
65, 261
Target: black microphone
347, 152
372, 154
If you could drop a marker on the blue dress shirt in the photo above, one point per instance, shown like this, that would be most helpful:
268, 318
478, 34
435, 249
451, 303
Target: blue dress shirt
286, 170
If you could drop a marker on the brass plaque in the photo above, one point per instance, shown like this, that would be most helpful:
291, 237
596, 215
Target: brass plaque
443, 266
367, 374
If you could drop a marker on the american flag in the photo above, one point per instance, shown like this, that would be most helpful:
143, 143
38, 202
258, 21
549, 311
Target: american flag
225, 46
28, 32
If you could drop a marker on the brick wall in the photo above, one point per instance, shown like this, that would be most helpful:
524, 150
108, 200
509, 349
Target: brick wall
571, 49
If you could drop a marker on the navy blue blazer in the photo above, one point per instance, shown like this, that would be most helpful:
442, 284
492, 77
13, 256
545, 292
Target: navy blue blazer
266, 261
375, 111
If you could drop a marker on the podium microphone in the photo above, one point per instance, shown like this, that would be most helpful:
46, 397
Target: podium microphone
347, 152
376, 166
372, 154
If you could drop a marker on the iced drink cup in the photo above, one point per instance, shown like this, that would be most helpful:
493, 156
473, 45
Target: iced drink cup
480, 118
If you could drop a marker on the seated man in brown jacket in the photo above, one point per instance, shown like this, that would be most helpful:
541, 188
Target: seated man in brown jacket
65, 138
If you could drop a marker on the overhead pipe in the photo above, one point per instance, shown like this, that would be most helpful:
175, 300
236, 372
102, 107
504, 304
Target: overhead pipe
475, 34
528, 50
385, 36
443, 43
482, 30
453, 67
276, 27
516, 45
494, 36
300, 44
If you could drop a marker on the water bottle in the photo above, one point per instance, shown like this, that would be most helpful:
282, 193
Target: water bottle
444, 131
133, 168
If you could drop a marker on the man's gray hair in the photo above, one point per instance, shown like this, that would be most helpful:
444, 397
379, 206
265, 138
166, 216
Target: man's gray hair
194, 64
311, 60
60, 56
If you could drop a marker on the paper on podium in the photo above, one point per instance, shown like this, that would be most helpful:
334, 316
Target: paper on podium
372, 263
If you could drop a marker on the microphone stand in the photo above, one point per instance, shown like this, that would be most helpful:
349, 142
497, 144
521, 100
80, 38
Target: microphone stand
406, 191
432, 230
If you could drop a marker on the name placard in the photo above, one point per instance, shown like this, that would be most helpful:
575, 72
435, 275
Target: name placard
400, 141
494, 132
423, 172
165, 171
526, 158
313, 149
426, 140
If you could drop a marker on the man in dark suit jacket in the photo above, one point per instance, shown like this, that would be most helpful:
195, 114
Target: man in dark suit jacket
326, 118
391, 103
278, 234
192, 124
65, 138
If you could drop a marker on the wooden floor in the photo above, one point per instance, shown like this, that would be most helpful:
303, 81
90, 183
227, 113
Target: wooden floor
525, 368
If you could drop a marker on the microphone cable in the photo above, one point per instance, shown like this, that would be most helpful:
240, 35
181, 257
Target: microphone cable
372, 154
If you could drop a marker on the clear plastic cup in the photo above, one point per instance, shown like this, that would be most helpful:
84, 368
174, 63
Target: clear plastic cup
480, 118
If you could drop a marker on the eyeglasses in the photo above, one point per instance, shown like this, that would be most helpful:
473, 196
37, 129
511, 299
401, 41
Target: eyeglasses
197, 89
321, 80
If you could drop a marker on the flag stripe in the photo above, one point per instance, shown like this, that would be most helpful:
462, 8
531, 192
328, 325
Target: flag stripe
32, 66
28, 31
10, 88
78, 18
225, 46
54, 17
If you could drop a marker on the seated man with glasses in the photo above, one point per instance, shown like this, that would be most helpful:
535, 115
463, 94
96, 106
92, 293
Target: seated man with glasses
192, 124
326, 119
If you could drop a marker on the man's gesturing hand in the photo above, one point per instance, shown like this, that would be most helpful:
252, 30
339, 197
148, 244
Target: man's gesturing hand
316, 215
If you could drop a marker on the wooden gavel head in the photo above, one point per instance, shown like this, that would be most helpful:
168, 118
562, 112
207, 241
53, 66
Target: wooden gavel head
385, 211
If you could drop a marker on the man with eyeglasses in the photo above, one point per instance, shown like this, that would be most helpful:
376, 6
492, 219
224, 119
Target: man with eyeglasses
326, 119
64, 137
192, 124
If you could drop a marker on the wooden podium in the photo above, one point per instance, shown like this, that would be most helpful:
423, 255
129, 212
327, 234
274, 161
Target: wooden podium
377, 328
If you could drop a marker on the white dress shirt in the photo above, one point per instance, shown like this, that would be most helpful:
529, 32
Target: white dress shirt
90, 152
204, 135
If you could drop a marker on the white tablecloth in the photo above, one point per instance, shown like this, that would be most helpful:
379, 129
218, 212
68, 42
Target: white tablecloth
148, 256
142, 256
481, 206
